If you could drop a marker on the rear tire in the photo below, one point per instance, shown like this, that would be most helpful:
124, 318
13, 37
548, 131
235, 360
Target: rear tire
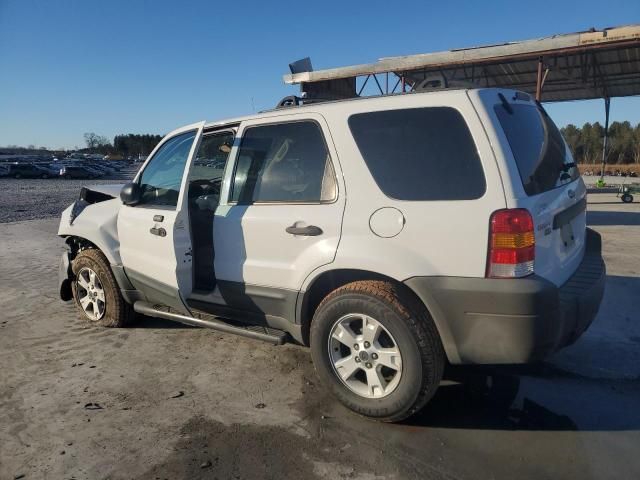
627, 198
96, 292
403, 325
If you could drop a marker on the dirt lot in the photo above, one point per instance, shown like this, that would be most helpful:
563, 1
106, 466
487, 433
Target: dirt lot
161, 400
29, 199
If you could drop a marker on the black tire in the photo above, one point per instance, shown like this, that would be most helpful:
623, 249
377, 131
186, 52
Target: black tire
118, 313
414, 332
44, 176
17, 175
627, 198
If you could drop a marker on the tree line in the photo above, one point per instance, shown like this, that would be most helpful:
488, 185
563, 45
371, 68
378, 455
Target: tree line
129, 144
586, 143
132, 144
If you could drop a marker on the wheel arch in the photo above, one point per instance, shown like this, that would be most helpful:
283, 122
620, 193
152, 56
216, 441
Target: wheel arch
329, 280
75, 245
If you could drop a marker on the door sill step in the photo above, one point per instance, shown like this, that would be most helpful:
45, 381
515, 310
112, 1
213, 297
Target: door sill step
258, 332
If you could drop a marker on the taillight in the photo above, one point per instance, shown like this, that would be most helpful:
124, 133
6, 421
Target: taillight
512, 247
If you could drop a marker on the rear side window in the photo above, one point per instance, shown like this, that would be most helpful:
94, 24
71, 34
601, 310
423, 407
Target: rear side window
543, 159
287, 162
420, 153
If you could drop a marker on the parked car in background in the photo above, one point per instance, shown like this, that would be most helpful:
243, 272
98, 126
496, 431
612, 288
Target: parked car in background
52, 169
71, 171
97, 171
26, 170
105, 169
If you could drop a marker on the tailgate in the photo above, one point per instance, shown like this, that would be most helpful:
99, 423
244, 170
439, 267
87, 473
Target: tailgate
559, 218
552, 189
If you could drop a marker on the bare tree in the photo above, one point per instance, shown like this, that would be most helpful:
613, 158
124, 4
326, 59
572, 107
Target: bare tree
94, 140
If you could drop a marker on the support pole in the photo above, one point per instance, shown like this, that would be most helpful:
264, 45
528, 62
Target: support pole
607, 103
539, 81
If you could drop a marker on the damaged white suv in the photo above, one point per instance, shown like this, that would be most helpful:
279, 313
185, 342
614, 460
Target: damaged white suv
390, 234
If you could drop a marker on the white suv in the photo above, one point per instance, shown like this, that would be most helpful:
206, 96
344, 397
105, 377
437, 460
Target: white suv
390, 234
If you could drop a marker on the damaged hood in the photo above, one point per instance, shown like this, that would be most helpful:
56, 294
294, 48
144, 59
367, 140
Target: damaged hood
93, 194
113, 190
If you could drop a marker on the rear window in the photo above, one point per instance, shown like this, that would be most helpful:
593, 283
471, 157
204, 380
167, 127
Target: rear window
420, 153
543, 159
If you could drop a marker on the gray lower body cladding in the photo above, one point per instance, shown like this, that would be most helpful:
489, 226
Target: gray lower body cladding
480, 320
496, 321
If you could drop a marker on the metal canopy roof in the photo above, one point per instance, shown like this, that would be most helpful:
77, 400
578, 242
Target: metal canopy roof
575, 66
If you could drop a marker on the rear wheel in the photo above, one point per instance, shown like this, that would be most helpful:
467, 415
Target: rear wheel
96, 292
627, 198
377, 349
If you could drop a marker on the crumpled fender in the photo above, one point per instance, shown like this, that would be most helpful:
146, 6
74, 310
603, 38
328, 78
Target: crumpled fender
96, 223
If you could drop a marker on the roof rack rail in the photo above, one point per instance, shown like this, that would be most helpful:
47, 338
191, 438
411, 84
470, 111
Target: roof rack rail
289, 101
296, 101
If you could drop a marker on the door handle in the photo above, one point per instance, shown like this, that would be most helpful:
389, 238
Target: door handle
161, 232
309, 231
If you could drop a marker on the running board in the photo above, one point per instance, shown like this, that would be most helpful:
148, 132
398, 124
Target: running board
266, 334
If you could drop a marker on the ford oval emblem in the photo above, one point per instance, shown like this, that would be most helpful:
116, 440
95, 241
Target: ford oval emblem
571, 193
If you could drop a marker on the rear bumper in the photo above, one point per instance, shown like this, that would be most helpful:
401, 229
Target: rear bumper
497, 321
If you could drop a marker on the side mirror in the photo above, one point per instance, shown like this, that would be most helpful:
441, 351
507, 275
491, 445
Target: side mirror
131, 194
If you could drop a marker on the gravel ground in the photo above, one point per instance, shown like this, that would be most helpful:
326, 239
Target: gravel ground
29, 199
161, 400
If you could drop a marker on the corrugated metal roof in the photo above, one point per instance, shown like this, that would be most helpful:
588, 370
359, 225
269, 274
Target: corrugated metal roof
576, 66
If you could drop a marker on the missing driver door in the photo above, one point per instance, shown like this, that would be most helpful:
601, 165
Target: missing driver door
155, 241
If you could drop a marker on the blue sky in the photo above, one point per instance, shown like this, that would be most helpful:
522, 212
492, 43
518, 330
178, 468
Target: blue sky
68, 67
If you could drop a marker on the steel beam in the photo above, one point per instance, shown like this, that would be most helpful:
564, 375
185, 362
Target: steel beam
539, 81
607, 103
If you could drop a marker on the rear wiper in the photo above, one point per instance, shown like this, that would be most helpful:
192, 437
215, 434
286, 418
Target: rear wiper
505, 104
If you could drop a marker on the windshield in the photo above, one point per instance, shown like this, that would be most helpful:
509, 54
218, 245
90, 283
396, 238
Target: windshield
543, 158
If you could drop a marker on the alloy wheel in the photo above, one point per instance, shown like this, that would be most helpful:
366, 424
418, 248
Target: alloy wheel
365, 356
91, 294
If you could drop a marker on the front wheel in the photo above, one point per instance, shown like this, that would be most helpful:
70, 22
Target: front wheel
627, 198
96, 292
377, 349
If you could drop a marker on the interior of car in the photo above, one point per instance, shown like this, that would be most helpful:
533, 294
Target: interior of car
204, 183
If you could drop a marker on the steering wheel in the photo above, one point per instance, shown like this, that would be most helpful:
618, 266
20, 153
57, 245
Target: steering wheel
203, 186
